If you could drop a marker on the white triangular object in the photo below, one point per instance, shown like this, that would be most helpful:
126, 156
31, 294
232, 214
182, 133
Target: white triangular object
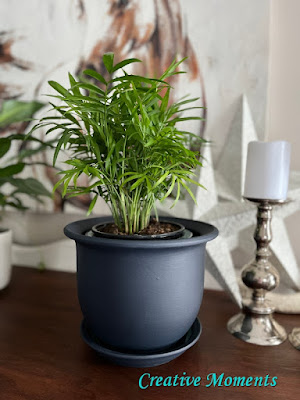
206, 198
219, 264
232, 163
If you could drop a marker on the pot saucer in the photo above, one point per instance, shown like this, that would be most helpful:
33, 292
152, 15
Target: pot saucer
142, 359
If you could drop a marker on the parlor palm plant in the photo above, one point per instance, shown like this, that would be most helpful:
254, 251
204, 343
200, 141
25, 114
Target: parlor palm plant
135, 294
123, 134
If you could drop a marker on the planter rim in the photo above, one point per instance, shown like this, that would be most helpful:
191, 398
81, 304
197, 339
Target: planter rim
75, 231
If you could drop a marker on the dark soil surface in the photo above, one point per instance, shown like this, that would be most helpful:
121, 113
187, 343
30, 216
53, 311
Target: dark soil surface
154, 228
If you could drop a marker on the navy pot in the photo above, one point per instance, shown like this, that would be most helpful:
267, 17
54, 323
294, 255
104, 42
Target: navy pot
140, 294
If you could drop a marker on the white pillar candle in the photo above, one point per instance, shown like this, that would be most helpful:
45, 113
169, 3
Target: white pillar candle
267, 170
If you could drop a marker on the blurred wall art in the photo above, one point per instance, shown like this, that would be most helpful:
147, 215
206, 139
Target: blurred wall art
40, 41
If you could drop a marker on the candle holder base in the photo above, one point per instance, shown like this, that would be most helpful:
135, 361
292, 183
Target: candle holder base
256, 324
260, 329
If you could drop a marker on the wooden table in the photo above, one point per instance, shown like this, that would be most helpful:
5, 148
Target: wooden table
42, 356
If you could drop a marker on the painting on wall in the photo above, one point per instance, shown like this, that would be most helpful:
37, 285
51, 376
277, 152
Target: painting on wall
40, 41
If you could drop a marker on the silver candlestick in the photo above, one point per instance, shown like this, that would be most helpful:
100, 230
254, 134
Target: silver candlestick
256, 324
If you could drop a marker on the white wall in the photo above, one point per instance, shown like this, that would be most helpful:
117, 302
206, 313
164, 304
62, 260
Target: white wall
283, 111
232, 42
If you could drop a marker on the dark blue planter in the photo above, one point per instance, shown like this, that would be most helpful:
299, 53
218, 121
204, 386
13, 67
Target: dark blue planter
140, 294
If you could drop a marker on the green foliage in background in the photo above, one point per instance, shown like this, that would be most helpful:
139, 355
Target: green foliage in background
18, 111
12, 112
123, 134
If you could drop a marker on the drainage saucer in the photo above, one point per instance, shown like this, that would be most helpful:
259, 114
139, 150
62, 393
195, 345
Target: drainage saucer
142, 359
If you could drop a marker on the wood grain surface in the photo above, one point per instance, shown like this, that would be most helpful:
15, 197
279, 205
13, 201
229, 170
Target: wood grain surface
42, 356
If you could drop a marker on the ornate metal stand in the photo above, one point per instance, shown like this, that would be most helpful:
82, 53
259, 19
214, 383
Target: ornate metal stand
256, 324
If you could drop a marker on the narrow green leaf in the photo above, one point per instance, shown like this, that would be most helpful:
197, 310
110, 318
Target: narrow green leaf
177, 195
73, 82
90, 87
180, 103
194, 182
131, 178
62, 141
161, 179
92, 205
95, 75
16, 111
59, 88
137, 183
11, 170
172, 69
58, 183
95, 172
135, 78
108, 61
165, 101
4, 146
75, 178
66, 183
109, 155
149, 186
185, 119
30, 186
170, 188
124, 63
17, 204
23, 154
189, 191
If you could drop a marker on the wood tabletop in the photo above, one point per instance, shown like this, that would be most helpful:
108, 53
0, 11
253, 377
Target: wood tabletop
42, 356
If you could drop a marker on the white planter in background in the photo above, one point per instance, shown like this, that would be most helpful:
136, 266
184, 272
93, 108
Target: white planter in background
59, 256
37, 228
39, 241
5, 257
